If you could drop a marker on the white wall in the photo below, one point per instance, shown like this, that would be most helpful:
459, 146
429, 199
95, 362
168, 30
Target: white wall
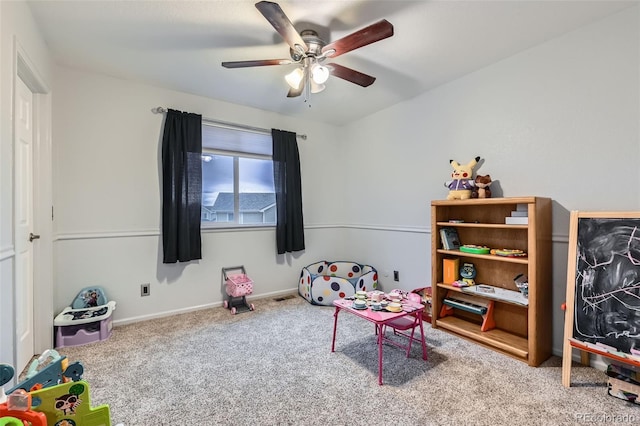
560, 120
108, 200
17, 30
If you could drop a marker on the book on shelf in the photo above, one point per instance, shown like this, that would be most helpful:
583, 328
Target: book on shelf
519, 216
450, 239
516, 220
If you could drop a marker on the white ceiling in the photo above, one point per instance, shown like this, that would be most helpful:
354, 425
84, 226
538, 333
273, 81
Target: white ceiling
180, 44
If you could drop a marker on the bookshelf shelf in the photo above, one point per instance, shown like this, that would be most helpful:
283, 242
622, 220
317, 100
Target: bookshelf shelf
522, 332
511, 344
482, 225
521, 260
485, 295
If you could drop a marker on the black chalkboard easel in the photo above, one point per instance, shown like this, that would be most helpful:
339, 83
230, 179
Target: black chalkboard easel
603, 287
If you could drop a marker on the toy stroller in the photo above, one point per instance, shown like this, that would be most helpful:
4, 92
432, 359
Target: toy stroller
238, 287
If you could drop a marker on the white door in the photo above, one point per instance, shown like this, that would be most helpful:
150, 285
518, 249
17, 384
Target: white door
23, 219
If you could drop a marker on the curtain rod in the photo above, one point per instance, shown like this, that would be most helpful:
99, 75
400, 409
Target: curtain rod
161, 110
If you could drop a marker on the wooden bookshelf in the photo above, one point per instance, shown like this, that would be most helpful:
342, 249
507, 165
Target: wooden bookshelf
521, 331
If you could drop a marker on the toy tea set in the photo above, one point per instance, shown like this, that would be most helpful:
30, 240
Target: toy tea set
381, 301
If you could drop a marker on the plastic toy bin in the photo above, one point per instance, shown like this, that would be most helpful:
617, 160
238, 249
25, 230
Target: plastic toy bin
239, 285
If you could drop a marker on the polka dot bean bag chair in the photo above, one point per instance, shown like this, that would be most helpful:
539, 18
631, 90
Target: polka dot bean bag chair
323, 282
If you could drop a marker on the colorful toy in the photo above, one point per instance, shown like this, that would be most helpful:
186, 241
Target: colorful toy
238, 287
16, 411
475, 305
468, 273
323, 282
6, 374
481, 189
69, 404
19, 400
18, 406
87, 320
49, 369
472, 248
508, 252
462, 184
10, 421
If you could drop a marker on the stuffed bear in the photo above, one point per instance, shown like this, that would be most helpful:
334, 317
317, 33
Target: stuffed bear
482, 189
462, 183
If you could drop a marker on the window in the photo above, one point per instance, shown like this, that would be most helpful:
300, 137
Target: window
237, 178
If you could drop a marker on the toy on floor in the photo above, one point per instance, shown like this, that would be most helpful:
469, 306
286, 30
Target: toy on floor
18, 411
6, 374
10, 421
49, 369
238, 287
87, 320
462, 184
15, 409
69, 404
323, 282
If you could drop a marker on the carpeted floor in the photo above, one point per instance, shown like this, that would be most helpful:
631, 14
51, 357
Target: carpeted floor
274, 366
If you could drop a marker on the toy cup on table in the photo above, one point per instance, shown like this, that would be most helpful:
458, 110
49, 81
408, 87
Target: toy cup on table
395, 297
359, 303
394, 307
376, 296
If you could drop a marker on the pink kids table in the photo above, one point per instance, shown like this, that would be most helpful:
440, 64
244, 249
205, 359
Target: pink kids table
381, 319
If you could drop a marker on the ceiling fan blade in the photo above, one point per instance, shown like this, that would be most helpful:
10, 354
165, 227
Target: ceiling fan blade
256, 63
351, 75
276, 17
375, 32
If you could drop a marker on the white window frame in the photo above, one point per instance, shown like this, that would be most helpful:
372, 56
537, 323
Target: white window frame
236, 155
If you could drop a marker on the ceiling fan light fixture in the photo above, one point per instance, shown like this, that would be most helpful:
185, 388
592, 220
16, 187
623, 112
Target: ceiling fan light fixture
317, 88
319, 74
309, 50
294, 78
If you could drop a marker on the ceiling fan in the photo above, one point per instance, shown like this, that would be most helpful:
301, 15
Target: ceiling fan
308, 50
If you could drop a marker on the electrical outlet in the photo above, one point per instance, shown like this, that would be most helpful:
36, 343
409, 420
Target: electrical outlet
396, 276
145, 289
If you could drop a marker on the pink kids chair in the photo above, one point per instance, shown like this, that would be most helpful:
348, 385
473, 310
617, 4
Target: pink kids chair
402, 325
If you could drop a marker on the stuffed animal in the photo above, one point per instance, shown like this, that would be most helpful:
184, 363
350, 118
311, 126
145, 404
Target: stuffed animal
462, 183
482, 189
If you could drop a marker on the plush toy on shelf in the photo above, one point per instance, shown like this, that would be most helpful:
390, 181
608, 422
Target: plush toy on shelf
482, 189
462, 184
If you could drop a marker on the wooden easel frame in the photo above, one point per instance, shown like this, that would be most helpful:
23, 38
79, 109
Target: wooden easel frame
569, 343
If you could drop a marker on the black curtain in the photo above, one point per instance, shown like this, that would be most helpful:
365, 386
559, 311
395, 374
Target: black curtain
286, 176
181, 186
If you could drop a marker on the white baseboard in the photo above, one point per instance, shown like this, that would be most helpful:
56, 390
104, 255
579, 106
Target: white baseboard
131, 320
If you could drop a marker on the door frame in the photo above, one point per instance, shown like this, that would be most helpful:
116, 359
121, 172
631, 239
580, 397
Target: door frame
25, 69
